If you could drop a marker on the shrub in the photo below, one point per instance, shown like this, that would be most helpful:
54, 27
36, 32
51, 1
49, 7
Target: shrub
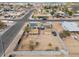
78, 32
50, 44
61, 35
31, 45
37, 43
67, 33
52, 13
56, 48
64, 34
70, 13
12, 55
2, 25
34, 16
27, 28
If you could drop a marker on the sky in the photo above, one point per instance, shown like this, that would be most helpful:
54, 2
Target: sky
39, 0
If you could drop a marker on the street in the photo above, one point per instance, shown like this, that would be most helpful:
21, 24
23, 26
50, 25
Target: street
10, 34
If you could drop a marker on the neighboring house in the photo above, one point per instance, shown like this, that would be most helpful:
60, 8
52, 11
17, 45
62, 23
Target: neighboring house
76, 14
60, 14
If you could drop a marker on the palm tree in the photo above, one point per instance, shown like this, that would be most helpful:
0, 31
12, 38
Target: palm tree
27, 29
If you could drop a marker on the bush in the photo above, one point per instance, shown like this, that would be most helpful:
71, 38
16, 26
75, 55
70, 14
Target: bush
37, 43
78, 32
12, 55
52, 13
27, 28
61, 35
31, 45
64, 34
34, 16
67, 33
70, 13
56, 48
2, 25
50, 44
42, 16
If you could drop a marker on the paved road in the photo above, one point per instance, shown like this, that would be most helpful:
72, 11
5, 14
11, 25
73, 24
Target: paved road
37, 53
9, 35
51, 20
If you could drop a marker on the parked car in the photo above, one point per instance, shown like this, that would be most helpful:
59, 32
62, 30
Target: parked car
44, 19
42, 27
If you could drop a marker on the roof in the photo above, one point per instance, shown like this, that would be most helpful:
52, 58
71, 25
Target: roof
76, 14
70, 26
60, 12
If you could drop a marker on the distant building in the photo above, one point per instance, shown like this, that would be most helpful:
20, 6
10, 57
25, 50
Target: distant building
76, 14
60, 14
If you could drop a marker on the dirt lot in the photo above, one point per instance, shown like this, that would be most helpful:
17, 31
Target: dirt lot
45, 39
